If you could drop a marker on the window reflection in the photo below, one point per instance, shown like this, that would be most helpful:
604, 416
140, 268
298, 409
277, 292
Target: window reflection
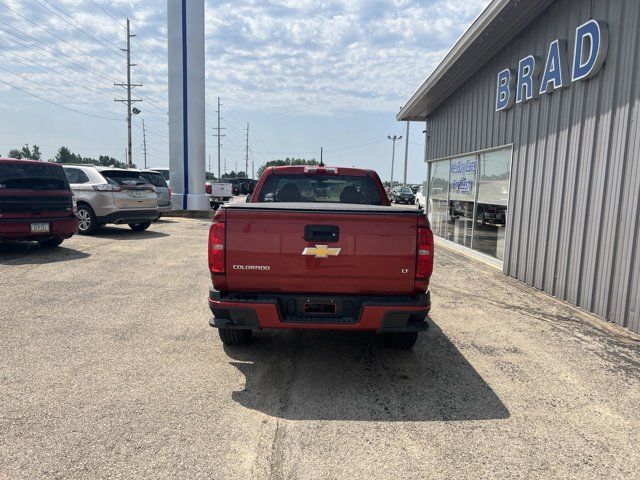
468, 200
493, 197
439, 197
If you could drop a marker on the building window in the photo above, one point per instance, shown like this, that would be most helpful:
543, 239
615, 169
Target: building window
468, 200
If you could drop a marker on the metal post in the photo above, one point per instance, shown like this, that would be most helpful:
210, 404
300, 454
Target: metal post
246, 160
393, 156
144, 143
406, 155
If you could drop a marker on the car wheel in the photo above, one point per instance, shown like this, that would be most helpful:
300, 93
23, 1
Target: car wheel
87, 223
400, 340
232, 336
51, 242
138, 227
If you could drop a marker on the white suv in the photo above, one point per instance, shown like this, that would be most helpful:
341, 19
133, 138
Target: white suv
111, 195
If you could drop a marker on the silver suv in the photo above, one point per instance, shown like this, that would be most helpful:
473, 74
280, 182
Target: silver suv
163, 192
111, 195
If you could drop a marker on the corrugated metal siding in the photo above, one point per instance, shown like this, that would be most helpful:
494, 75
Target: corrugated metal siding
573, 223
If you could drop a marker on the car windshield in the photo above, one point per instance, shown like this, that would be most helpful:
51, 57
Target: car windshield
406, 190
27, 175
123, 177
155, 179
320, 189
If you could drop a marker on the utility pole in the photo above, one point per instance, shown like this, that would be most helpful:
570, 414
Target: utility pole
219, 135
393, 155
253, 169
144, 143
406, 155
129, 86
246, 158
209, 168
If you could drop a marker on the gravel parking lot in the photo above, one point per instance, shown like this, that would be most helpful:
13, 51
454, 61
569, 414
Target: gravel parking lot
109, 369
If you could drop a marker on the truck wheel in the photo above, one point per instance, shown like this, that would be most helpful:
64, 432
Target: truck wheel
231, 336
400, 340
138, 227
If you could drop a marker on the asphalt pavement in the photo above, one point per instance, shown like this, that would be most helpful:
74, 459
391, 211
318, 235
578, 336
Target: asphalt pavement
109, 369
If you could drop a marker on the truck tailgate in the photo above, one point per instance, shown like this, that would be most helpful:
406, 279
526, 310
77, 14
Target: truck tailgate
291, 249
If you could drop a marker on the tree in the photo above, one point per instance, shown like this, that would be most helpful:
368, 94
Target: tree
35, 153
286, 162
65, 155
15, 153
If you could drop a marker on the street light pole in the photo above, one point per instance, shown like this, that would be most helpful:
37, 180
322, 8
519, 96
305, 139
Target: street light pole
393, 156
406, 155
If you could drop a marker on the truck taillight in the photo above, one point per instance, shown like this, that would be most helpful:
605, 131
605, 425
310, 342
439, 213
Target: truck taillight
207, 188
424, 264
216, 247
169, 192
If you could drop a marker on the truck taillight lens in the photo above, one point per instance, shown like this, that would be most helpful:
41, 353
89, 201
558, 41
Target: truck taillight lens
216, 247
207, 188
424, 266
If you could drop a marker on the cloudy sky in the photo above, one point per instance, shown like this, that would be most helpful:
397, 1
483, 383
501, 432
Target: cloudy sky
303, 73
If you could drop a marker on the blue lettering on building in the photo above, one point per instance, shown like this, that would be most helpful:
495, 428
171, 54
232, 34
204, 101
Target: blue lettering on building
506, 94
556, 68
589, 54
527, 79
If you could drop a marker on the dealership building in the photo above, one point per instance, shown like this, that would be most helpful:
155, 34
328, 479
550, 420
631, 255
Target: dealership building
533, 148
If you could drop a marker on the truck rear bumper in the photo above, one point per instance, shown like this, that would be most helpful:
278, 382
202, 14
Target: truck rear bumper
20, 229
374, 313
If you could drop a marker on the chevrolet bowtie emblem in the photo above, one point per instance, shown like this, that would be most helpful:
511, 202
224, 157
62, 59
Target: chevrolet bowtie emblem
321, 251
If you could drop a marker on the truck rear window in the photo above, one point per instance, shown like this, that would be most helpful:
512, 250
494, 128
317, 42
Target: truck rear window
27, 175
316, 188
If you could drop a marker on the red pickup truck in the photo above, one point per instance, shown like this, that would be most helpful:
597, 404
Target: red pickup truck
320, 248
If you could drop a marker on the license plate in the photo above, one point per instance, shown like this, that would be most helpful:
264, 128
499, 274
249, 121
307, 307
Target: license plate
137, 194
39, 228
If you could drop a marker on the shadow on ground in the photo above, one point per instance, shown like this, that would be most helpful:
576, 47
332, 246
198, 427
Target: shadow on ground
305, 375
125, 233
30, 253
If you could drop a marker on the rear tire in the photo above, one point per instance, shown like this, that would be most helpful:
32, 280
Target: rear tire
234, 337
400, 340
51, 243
87, 223
138, 227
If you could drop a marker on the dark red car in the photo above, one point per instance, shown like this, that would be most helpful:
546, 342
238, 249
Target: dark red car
36, 202
320, 248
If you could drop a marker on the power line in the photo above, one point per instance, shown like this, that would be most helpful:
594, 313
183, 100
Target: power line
75, 26
109, 14
46, 87
53, 49
58, 105
99, 60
